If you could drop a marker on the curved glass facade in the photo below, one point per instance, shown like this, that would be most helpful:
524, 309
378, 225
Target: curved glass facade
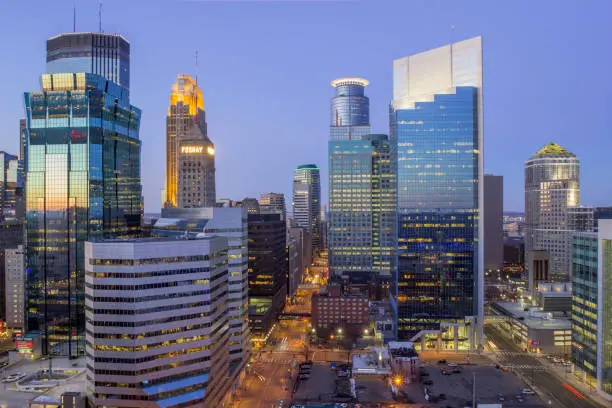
83, 183
350, 110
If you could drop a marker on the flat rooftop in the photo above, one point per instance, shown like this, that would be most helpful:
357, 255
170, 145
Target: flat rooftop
517, 311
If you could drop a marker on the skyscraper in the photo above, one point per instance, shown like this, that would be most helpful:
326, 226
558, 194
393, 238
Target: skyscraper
190, 155
307, 201
107, 55
436, 118
552, 184
83, 172
350, 110
362, 206
493, 222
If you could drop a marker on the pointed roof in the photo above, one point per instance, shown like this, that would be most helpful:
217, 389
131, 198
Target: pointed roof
553, 149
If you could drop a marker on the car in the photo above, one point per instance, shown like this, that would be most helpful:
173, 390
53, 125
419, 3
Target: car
447, 373
457, 371
424, 374
422, 365
452, 364
304, 376
443, 361
307, 363
519, 398
501, 398
428, 382
527, 391
442, 397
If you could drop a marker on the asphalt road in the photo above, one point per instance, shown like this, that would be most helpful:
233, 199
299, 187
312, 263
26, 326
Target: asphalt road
536, 373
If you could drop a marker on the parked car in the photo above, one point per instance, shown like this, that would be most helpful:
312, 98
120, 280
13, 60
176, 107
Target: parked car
424, 374
452, 364
304, 376
519, 398
457, 371
443, 361
442, 397
501, 398
428, 382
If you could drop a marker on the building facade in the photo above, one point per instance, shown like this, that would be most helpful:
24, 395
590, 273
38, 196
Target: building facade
14, 282
350, 110
552, 184
584, 304
273, 203
230, 223
493, 222
11, 187
581, 219
604, 308
190, 155
306, 201
335, 313
157, 322
439, 189
107, 55
362, 205
11, 236
267, 270
83, 183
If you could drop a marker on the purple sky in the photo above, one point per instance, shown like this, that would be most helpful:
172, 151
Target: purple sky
265, 68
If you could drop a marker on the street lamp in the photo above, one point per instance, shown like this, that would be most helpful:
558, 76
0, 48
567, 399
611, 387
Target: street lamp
366, 332
339, 331
397, 381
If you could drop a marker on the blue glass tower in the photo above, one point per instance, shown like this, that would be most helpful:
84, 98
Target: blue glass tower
83, 183
436, 121
350, 110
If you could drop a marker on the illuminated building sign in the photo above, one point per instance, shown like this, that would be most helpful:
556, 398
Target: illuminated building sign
24, 345
197, 150
192, 149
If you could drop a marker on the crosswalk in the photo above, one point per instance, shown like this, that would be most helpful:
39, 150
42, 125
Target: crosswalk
274, 360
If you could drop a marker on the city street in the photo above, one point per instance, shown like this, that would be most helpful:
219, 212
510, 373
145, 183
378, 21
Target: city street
550, 386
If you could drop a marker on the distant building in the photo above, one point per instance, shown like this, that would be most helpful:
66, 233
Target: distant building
336, 313
306, 201
11, 236
273, 202
190, 154
14, 282
157, 322
514, 251
405, 361
267, 270
538, 269
11, 187
251, 204
552, 185
555, 297
294, 272
581, 218
493, 222
303, 238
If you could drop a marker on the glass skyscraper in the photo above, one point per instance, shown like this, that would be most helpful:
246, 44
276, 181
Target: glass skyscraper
552, 185
107, 55
350, 110
362, 206
436, 120
83, 183
190, 155
11, 186
306, 201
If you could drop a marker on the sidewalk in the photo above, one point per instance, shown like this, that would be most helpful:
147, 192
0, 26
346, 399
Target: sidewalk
569, 378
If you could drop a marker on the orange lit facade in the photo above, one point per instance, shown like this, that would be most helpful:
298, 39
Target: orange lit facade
190, 163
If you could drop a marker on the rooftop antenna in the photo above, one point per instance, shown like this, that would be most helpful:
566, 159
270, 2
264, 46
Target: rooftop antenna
196, 66
74, 16
100, 15
196, 118
451, 53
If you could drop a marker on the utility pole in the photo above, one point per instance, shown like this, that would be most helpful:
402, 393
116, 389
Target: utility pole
474, 392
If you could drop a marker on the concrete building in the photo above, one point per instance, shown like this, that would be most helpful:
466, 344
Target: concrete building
404, 361
514, 251
535, 331
157, 322
303, 238
294, 262
230, 223
11, 236
273, 203
493, 222
251, 204
552, 185
555, 297
306, 201
14, 282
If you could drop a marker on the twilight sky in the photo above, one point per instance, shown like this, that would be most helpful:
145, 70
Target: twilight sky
265, 68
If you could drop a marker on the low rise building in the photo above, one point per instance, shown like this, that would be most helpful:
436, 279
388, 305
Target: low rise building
404, 361
555, 297
336, 313
157, 323
533, 330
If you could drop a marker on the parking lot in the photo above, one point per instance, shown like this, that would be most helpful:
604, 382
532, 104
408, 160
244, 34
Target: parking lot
455, 390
